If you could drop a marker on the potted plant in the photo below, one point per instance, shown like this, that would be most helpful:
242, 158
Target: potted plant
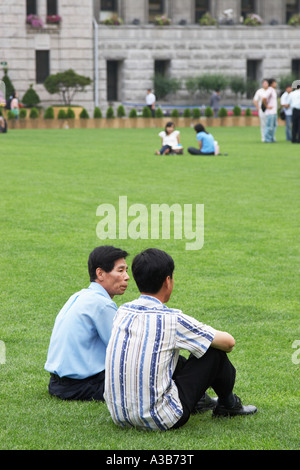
114, 20
207, 20
162, 20
294, 20
53, 19
253, 20
34, 21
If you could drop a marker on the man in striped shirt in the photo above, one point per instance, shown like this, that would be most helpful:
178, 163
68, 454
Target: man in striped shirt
147, 384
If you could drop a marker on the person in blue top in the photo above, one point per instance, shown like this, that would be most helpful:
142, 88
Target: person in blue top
82, 329
205, 140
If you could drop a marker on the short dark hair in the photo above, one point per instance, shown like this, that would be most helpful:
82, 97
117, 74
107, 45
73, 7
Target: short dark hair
104, 257
271, 80
150, 268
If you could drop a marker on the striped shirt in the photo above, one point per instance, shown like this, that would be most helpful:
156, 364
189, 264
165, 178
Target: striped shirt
141, 358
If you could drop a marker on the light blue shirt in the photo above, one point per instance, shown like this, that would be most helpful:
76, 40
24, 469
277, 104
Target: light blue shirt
81, 333
294, 99
208, 142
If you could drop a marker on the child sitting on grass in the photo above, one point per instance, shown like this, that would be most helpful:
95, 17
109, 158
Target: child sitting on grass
169, 140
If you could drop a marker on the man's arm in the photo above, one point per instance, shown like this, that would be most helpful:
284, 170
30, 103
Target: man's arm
223, 341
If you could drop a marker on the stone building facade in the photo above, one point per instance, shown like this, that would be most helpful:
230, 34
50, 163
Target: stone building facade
122, 59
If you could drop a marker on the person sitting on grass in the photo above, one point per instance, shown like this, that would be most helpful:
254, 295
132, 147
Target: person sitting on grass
148, 385
169, 140
76, 355
205, 140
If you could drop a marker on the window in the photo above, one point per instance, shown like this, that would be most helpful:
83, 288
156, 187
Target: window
161, 67
156, 8
292, 7
107, 9
31, 7
51, 7
42, 66
247, 7
109, 5
201, 7
254, 74
112, 79
296, 68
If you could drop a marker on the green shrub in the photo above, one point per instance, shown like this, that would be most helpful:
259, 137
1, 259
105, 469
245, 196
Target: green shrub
10, 115
164, 85
222, 112
237, 111
62, 114
84, 114
207, 20
49, 113
175, 113
147, 112
294, 20
159, 113
196, 113
121, 111
110, 113
34, 114
208, 112
248, 112
187, 113
132, 113
31, 98
97, 113
70, 113
23, 113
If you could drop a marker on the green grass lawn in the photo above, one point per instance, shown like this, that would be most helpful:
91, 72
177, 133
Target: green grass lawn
245, 279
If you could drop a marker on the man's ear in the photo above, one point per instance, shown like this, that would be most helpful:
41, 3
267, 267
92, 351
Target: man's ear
99, 274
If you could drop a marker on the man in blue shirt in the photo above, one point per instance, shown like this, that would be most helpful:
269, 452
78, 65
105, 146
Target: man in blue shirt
82, 329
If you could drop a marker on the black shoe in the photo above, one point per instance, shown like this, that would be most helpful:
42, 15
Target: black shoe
205, 403
237, 410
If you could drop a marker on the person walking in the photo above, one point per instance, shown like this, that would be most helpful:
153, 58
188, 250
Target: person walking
270, 102
258, 101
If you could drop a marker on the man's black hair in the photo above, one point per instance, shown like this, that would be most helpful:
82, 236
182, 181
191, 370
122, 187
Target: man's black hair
104, 257
150, 269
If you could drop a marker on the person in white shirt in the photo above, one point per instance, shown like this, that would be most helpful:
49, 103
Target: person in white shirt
270, 102
257, 100
169, 140
294, 102
150, 101
284, 101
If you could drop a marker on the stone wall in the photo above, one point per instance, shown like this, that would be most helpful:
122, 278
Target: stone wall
191, 50
70, 45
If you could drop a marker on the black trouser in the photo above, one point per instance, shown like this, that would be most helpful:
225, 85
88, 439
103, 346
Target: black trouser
194, 151
194, 376
91, 388
296, 126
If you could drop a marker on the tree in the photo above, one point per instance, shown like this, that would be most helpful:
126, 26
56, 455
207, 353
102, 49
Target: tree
238, 85
31, 98
67, 84
165, 85
9, 88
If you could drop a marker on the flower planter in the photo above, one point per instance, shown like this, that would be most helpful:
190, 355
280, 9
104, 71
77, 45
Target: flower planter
77, 110
137, 123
